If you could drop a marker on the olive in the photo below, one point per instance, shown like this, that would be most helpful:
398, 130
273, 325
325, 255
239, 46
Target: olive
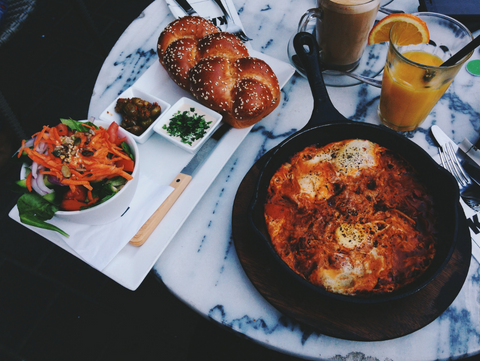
138, 102
130, 110
155, 112
131, 122
146, 123
137, 130
137, 114
144, 114
120, 103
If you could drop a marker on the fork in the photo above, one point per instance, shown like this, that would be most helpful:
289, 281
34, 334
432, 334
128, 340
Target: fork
469, 190
231, 26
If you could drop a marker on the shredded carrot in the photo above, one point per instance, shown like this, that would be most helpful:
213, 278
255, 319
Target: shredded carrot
55, 135
87, 162
20, 151
29, 181
77, 183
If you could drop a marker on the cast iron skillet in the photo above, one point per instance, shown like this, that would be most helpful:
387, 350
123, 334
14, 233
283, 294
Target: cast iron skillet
327, 125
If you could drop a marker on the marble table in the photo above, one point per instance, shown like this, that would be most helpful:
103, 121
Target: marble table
200, 265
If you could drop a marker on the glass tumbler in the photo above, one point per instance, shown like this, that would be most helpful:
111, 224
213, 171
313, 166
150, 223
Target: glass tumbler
414, 79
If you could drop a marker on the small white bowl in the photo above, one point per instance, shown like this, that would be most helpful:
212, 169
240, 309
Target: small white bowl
112, 209
110, 114
186, 104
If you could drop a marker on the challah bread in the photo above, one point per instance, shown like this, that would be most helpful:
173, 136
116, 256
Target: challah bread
216, 69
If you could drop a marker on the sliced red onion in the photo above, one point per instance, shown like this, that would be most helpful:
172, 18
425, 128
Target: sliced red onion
41, 148
30, 142
41, 184
37, 188
38, 183
34, 168
54, 180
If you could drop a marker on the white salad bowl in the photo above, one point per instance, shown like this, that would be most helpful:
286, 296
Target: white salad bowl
116, 206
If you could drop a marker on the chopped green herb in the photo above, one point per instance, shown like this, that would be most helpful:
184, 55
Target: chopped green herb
187, 125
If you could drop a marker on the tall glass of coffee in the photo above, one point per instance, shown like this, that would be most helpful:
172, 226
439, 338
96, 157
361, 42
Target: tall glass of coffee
342, 30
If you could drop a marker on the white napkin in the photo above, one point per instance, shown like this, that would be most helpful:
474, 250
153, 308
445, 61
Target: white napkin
208, 9
473, 219
98, 245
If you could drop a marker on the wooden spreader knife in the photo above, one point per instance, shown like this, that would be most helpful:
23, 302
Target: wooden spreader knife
179, 184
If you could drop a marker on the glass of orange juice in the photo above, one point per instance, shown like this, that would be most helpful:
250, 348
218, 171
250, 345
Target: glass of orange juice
413, 78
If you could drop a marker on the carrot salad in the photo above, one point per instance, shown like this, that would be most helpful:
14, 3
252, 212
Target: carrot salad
90, 157
77, 155
74, 166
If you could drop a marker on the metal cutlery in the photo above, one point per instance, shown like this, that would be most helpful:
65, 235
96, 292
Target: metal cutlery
365, 79
185, 5
466, 160
469, 189
390, 11
231, 26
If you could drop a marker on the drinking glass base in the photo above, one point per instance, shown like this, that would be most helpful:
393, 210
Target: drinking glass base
398, 128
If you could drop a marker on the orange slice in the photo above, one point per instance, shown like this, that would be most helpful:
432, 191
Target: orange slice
413, 30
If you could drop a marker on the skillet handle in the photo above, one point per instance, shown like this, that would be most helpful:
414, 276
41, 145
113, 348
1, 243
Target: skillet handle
323, 110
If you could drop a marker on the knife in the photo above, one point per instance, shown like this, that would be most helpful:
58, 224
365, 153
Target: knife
442, 139
179, 184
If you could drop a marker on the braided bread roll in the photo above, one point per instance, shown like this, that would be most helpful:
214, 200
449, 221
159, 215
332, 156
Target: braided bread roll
216, 69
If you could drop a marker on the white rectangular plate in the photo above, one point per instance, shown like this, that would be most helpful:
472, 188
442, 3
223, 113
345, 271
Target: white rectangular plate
163, 160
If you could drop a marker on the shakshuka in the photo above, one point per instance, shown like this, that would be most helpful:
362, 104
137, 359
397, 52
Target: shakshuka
351, 217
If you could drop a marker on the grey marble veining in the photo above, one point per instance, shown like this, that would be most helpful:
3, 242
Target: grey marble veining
200, 265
